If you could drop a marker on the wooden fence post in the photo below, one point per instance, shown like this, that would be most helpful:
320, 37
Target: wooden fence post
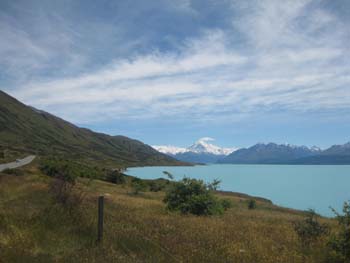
100, 218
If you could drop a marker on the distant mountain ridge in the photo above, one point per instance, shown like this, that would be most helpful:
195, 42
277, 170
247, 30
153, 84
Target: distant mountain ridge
273, 153
200, 152
25, 129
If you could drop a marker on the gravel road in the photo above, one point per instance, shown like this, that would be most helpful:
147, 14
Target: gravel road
17, 163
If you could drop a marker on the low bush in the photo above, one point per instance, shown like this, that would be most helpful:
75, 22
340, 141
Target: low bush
63, 169
138, 185
226, 204
157, 185
251, 204
339, 243
54, 166
310, 229
192, 196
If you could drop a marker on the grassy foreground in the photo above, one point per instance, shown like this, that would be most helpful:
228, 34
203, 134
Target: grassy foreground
138, 228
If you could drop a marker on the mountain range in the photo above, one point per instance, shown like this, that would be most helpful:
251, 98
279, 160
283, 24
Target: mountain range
26, 130
270, 153
202, 151
273, 153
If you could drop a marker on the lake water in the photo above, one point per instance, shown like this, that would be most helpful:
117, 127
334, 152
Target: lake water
295, 186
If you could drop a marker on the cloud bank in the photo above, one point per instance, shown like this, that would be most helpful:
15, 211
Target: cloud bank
261, 57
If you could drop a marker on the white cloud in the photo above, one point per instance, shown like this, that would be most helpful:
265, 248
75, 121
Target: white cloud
294, 58
206, 139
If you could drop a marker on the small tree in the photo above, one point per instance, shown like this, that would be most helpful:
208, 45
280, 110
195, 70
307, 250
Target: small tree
251, 204
214, 185
310, 229
169, 175
192, 196
340, 243
138, 185
226, 204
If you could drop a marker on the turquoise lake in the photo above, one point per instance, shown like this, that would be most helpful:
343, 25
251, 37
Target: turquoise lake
295, 186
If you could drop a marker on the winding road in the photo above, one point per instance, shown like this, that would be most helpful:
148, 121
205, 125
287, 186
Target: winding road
17, 163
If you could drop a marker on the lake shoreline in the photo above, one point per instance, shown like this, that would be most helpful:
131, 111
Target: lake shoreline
300, 187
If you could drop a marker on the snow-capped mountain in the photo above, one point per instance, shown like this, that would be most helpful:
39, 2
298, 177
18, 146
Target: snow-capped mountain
203, 146
169, 149
202, 151
273, 153
315, 149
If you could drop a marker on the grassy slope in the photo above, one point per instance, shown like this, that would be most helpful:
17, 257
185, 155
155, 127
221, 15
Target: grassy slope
26, 130
138, 228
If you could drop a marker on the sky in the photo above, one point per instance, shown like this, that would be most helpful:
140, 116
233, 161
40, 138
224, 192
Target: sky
168, 72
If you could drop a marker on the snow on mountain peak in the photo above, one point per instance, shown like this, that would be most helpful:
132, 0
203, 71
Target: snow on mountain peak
169, 149
200, 146
315, 149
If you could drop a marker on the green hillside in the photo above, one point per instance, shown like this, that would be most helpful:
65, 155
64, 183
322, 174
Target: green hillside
24, 129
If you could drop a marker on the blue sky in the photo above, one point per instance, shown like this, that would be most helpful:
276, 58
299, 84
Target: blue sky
172, 71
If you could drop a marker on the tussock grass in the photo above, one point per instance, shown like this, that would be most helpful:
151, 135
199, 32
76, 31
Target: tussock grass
138, 228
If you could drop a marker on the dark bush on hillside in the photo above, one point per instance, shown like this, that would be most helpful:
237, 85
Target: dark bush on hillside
115, 177
15, 172
339, 243
310, 229
70, 170
2, 155
251, 204
60, 169
192, 196
157, 185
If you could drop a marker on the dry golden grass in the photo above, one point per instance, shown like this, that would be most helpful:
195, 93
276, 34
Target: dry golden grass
139, 229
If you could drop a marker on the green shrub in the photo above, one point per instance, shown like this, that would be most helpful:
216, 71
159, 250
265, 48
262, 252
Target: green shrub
214, 185
339, 243
61, 169
169, 175
310, 229
251, 204
192, 196
138, 185
69, 170
226, 204
155, 186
